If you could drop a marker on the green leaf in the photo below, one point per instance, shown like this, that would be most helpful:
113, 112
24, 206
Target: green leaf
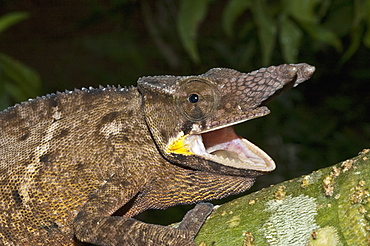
367, 34
302, 10
290, 38
17, 80
356, 38
11, 19
191, 14
266, 29
4, 97
246, 53
233, 11
322, 34
361, 11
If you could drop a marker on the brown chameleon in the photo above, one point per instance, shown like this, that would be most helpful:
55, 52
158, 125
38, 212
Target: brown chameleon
69, 161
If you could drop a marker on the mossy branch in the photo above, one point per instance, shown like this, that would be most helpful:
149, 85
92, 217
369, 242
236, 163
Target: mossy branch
330, 206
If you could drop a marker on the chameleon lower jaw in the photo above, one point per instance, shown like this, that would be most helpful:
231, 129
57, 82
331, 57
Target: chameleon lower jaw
227, 148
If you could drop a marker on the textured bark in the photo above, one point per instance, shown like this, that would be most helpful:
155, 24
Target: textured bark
330, 206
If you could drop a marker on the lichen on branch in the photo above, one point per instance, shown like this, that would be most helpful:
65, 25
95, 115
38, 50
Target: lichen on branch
330, 206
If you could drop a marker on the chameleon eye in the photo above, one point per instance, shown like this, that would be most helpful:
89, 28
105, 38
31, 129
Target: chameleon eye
197, 98
193, 98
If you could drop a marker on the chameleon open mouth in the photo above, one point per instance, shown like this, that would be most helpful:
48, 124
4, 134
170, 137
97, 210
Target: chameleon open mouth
223, 146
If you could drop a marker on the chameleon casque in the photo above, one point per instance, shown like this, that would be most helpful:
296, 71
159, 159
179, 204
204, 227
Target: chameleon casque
69, 161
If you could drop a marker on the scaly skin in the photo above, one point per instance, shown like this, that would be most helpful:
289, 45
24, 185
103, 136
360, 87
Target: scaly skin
69, 160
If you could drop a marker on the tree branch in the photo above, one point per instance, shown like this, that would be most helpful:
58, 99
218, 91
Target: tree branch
330, 206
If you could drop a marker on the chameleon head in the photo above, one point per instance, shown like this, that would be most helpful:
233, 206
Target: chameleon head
191, 118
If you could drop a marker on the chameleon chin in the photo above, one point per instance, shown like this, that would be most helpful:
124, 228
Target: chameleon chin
69, 160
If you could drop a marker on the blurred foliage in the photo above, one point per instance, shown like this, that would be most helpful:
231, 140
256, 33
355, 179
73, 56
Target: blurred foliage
8, 20
275, 29
323, 121
310, 127
17, 81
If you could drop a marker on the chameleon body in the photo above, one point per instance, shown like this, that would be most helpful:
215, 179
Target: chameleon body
69, 161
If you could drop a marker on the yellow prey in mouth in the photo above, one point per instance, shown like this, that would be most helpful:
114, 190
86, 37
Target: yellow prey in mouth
223, 146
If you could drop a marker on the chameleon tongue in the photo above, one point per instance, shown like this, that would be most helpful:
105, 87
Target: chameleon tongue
219, 136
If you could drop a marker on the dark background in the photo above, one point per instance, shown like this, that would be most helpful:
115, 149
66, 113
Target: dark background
48, 46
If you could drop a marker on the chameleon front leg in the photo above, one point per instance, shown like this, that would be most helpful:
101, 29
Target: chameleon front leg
94, 223
187, 187
195, 218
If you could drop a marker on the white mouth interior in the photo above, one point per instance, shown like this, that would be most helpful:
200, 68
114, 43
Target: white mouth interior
225, 147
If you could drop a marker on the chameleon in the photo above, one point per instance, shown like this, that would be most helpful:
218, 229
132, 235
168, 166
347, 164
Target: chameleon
77, 166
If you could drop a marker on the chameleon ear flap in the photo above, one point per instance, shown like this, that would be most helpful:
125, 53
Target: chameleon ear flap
157, 84
223, 73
